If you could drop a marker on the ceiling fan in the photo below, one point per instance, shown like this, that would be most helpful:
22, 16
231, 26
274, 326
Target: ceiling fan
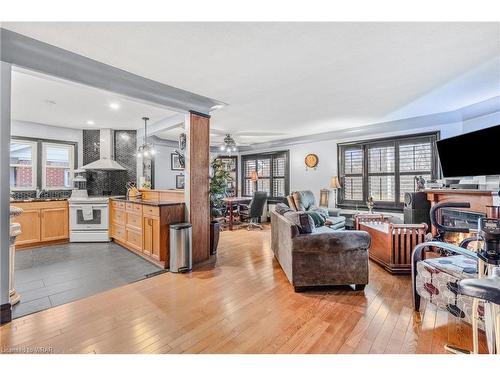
242, 137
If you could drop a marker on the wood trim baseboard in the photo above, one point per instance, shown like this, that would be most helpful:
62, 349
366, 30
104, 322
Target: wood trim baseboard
29, 246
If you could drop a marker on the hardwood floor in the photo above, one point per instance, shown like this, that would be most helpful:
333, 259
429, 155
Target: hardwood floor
241, 304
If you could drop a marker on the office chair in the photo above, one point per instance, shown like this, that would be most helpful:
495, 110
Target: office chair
254, 210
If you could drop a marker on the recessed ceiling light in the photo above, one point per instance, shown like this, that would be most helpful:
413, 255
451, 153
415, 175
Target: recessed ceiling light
114, 106
90, 122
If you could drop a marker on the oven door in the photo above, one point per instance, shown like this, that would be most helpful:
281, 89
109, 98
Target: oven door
79, 220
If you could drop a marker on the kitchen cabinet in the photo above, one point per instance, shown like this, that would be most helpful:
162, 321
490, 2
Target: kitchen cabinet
152, 236
54, 224
42, 222
30, 226
143, 227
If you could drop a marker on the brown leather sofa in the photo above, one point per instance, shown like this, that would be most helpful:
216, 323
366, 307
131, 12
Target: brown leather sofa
324, 257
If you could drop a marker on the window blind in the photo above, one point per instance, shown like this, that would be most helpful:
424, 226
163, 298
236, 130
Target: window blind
385, 169
272, 172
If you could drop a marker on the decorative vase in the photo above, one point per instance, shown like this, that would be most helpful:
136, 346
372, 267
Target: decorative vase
15, 230
214, 236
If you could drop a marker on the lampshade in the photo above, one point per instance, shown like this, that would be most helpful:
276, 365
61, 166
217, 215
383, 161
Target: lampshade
253, 176
324, 197
334, 183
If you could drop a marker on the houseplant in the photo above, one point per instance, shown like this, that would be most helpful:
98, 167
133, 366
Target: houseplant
220, 177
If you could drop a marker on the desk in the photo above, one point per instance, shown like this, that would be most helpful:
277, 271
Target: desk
230, 201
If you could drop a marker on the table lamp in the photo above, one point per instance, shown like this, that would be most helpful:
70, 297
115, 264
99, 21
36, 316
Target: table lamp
254, 178
324, 198
335, 184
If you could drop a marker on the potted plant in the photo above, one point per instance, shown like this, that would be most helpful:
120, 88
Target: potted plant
218, 187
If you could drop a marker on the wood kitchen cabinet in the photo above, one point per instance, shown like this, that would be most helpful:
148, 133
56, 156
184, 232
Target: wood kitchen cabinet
152, 236
143, 227
42, 223
54, 224
30, 226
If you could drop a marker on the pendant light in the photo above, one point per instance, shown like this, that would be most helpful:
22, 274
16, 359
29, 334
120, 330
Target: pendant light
229, 144
146, 149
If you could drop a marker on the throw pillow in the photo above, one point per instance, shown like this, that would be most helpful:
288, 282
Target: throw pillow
322, 211
318, 219
302, 220
281, 208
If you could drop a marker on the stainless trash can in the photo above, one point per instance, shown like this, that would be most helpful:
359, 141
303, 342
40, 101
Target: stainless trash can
180, 248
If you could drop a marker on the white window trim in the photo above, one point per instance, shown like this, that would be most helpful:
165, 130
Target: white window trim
71, 149
34, 164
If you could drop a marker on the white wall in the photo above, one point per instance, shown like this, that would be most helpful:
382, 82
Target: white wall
315, 180
34, 130
164, 176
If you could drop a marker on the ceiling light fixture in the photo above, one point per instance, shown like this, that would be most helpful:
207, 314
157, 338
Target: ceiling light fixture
146, 149
114, 106
229, 144
90, 122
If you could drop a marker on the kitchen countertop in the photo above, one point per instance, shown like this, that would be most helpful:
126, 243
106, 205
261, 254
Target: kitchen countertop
29, 200
148, 202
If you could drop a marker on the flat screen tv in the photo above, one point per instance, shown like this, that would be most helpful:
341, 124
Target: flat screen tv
471, 154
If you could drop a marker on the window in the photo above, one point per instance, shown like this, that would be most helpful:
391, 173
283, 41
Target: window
272, 173
353, 173
23, 165
57, 166
385, 169
52, 169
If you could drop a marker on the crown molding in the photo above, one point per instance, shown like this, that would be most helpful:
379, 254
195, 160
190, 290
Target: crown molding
476, 110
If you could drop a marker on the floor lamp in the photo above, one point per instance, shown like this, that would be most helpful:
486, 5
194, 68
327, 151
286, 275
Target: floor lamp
334, 185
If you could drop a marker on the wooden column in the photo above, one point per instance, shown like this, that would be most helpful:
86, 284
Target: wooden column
198, 175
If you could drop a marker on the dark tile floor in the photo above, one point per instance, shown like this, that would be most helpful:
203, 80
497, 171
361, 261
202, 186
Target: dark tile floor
54, 275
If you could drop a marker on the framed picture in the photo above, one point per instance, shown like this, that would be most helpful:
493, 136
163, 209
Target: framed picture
179, 181
175, 165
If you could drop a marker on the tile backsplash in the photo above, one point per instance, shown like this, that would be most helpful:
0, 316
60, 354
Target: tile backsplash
27, 194
114, 182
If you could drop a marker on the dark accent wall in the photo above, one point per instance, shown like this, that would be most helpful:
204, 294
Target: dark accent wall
115, 182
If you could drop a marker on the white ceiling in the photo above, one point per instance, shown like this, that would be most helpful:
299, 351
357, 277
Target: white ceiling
42, 99
292, 79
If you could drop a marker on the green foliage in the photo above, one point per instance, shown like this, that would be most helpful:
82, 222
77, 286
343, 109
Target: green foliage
218, 187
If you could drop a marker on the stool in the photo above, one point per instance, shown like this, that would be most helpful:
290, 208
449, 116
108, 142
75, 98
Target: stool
486, 289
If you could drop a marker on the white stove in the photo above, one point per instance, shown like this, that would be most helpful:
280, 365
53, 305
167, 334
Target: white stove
89, 219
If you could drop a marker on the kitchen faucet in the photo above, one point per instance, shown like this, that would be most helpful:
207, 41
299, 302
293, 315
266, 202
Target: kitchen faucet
39, 192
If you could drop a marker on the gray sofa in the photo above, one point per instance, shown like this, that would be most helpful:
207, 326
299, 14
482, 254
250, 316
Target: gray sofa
305, 201
324, 257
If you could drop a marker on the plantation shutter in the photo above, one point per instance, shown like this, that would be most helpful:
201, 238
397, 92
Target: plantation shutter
352, 178
415, 159
381, 172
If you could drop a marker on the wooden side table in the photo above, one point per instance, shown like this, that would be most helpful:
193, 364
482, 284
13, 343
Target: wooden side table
392, 244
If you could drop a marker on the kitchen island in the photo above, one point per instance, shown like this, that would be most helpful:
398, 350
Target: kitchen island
142, 226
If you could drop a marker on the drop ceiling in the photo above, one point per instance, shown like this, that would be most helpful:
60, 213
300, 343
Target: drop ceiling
47, 100
290, 79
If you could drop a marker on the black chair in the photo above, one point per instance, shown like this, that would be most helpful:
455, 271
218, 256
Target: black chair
488, 290
254, 210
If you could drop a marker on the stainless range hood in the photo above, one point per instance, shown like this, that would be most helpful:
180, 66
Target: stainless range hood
106, 160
